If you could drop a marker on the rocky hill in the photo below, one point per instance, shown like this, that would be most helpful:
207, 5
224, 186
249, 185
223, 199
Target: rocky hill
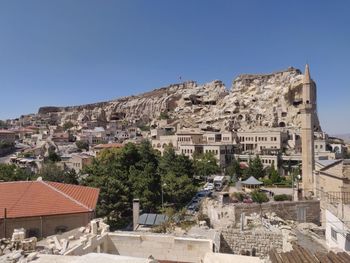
261, 100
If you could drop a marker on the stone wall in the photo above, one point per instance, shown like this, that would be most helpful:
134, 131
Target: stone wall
223, 215
161, 247
234, 241
44, 226
287, 210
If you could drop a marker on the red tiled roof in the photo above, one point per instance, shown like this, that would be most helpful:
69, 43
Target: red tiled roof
39, 198
86, 195
6, 131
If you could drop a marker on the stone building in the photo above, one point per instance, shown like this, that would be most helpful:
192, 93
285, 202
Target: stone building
255, 142
78, 161
332, 177
45, 208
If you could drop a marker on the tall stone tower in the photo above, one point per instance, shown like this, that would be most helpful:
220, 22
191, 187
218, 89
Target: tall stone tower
308, 112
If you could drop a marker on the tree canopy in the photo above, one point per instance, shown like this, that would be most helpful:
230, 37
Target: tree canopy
52, 172
234, 170
10, 172
205, 164
138, 171
255, 168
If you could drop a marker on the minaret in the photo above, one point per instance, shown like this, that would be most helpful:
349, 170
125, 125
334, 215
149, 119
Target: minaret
308, 109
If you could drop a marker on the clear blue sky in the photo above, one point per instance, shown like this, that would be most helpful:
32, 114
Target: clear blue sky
73, 52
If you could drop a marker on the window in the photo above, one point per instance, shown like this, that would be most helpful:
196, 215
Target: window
33, 232
333, 234
61, 229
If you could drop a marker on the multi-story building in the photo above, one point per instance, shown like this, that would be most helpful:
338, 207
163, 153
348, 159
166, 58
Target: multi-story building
255, 142
95, 136
191, 142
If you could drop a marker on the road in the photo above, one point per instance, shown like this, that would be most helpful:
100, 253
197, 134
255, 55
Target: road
6, 158
19, 147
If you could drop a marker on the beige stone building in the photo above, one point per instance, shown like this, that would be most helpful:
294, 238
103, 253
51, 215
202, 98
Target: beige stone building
255, 142
78, 161
191, 142
333, 178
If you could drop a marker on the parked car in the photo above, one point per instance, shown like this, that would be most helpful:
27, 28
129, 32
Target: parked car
248, 201
204, 193
209, 187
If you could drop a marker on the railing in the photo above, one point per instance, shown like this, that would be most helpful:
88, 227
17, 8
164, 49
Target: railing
333, 197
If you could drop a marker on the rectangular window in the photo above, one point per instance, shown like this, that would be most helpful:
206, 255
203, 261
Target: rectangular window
333, 234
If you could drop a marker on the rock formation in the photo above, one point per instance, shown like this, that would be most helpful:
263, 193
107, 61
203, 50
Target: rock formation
264, 100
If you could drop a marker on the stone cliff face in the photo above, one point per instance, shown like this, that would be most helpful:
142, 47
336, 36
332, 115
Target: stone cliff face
254, 101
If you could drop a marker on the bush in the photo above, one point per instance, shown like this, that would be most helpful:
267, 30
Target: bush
68, 125
283, 197
164, 115
259, 197
267, 182
82, 145
240, 196
145, 128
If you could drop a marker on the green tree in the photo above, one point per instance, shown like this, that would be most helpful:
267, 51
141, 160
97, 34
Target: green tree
273, 174
10, 172
176, 173
138, 171
133, 170
52, 172
234, 170
205, 164
82, 145
53, 157
68, 125
255, 168
164, 115
259, 197
114, 199
144, 178
70, 177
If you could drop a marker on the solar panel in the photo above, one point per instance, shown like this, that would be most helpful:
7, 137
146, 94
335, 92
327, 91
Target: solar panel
160, 219
142, 219
150, 219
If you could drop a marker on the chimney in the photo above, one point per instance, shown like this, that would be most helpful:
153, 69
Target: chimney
135, 212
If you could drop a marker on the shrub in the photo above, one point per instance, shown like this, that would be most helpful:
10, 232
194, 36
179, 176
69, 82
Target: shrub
164, 115
240, 196
267, 182
283, 197
259, 197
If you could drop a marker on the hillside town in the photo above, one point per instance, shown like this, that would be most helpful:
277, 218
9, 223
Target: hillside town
186, 173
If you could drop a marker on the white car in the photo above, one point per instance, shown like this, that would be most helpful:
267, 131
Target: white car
209, 187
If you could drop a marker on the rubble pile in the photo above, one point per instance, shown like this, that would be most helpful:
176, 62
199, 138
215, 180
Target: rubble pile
60, 244
272, 223
18, 248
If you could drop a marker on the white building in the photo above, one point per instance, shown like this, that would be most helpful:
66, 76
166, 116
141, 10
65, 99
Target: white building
338, 227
